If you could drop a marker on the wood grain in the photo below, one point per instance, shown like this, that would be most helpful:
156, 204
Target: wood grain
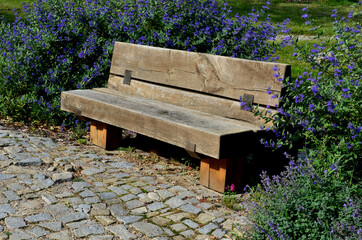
201, 102
105, 136
216, 75
158, 120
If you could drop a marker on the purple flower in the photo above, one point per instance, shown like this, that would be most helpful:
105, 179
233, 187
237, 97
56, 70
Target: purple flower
305, 16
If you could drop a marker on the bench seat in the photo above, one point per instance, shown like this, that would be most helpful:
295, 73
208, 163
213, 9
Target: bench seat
183, 127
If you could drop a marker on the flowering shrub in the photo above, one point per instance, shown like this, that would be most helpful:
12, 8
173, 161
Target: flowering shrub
317, 197
62, 45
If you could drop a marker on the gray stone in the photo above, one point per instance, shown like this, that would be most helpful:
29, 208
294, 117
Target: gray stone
105, 220
18, 234
218, 233
83, 208
207, 228
121, 175
32, 161
40, 176
218, 220
15, 187
54, 226
128, 197
135, 190
178, 227
190, 209
161, 221
6, 176
77, 186
107, 195
178, 216
205, 205
204, 218
175, 202
103, 237
11, 195
45, 183
62, 177
118, 190
15, 222
128, 219
41, 217
49, 199
154, 196
92, 171
190, 223
62, 235
139, 211
164, 194
3, 215
80, 224
202, 237
74, 200
121, 232
133, 204
73, 217
1, 228
177, 189
91, 200
149, 229
38, 231
3, 157
87, 193
123, 164
187, 233
156, 206
118, 210
168, 232
89, 230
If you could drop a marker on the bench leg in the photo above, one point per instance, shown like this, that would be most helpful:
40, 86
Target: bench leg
105, 136
218, 174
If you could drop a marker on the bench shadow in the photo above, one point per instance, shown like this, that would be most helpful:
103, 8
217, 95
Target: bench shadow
257, 158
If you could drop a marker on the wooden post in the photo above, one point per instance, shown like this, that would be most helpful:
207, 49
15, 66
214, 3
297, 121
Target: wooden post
105, 136
218, 174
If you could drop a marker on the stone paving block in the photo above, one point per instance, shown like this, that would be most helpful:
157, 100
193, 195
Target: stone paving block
128, 219
73, 200
53, 226
218, 233
178, 227
165, 194
149, 229
89, 230
202, 237
135, 190
1, 228
38, 231
41, 217
139, 211
62, 177
178, 216
118, 210
205, 205
105, 220
3, 215
73, 217
80, 224
18, 234
190, 223
204, 218
118, 190
107, 195
121, 175
11, 195
99, 209
44, 183
7, 208
62, 235
133, 204
161, 221
77, 186
82, 208
175, 202
91, 200
87, 193
32, 161
49, 199
15, 187
218, 220
6, 176
15, 222
187, 233
121, 232
177, 189
103, 237
207, 228
168, 231
123, 164
154, 196
92, 171
156, 206
190, 209
128, 197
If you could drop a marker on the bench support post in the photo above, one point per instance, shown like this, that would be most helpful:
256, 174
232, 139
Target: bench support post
218, 174
105, 136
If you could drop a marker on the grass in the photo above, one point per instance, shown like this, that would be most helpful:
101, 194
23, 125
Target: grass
7, 7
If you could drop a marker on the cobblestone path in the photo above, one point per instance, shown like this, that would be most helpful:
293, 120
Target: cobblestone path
57, 190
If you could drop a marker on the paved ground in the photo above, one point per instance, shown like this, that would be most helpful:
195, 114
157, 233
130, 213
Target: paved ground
53, 189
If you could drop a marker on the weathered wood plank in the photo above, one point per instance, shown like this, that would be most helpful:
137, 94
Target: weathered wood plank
105, 136
182, 98
155, 119
216, 75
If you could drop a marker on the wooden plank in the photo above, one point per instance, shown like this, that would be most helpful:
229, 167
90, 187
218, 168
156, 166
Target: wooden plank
205, 172
183, 98
218, 171
216, 75
105, 136
162, 121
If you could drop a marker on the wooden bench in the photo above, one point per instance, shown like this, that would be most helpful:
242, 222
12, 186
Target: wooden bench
188, 99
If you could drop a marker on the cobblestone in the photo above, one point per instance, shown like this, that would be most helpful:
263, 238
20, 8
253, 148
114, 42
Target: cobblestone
55, 189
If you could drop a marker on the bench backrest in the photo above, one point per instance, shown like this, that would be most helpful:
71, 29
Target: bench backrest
214, 83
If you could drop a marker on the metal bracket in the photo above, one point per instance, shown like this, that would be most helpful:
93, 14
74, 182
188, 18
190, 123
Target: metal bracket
248, 99
127, 77
191, 149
